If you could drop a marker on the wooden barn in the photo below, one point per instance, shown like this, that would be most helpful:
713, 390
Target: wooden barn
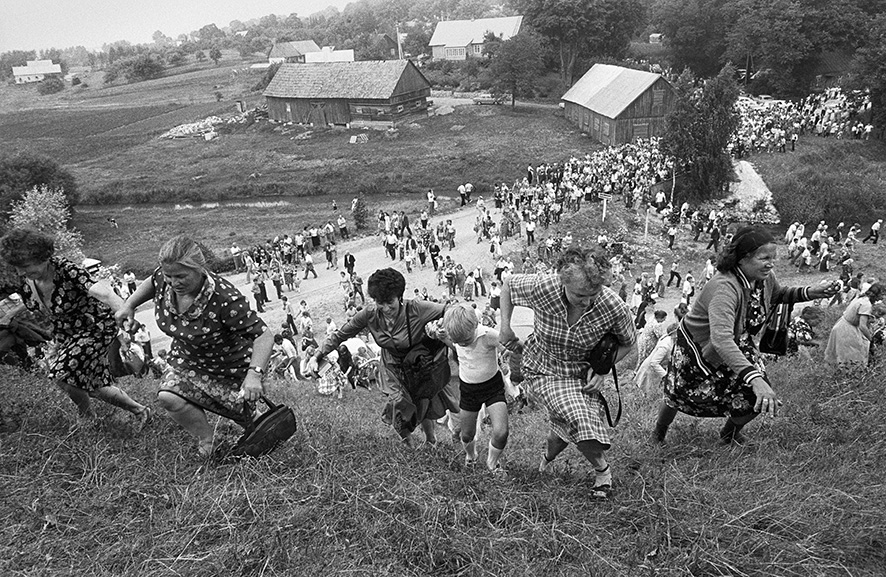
366, 93
615, 105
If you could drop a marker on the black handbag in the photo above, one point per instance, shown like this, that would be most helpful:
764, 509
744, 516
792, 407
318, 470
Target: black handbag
267, 432
426, 366
774, 339
602, 360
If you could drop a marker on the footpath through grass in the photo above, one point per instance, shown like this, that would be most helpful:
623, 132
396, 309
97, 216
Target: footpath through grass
343, 498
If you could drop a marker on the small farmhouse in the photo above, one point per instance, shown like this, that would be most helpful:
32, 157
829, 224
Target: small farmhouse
35, 71
462, 39
367, 93
615, 105
288, 52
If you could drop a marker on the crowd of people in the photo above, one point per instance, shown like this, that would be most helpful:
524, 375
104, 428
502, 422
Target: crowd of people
775, 125
451, 353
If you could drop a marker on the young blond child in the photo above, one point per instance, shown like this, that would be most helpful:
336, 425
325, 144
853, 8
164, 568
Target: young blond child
480, 379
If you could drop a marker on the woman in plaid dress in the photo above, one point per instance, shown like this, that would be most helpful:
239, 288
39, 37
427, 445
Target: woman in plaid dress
573, 311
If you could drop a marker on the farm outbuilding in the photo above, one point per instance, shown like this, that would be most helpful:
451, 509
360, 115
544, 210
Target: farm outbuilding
615, 105
366, 93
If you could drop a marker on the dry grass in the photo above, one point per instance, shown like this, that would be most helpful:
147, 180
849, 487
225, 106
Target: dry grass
343, 498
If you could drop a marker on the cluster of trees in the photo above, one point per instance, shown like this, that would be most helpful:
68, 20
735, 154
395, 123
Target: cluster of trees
775, 43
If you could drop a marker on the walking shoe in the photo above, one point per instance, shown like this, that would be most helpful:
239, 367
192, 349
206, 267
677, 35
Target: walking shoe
733, 438
469, 462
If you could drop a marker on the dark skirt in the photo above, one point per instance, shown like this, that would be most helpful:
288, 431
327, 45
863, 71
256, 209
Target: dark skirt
702, 390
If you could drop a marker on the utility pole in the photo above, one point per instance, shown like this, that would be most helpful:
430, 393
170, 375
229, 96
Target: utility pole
399, 44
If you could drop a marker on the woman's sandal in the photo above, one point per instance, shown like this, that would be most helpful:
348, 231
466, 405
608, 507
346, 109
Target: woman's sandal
601, 492
144, 415
204, 449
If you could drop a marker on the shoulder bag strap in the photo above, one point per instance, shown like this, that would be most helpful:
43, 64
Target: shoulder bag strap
612, 423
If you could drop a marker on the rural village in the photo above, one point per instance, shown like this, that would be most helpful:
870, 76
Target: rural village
444, 287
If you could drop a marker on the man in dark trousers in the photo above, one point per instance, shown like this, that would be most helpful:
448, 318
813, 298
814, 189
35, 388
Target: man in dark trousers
715, 239
434, 251
350, 262
874, 235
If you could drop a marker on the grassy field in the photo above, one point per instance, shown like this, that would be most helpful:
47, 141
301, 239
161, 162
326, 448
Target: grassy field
342, 498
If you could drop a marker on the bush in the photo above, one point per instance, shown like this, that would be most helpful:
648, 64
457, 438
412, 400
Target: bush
22, 172
267, 77
360, 212
50, 85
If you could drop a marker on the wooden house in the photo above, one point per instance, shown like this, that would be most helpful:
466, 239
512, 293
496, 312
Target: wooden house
291, 52
463, 39
35, 71
365, 93
615, 105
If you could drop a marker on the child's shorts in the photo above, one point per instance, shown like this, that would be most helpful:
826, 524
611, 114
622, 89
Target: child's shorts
475, 395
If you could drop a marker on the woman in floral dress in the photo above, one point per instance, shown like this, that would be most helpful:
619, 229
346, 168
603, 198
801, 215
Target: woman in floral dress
716, 368
82, 315
220, 347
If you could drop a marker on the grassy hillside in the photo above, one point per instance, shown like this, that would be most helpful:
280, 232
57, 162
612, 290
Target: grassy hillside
828, 179
805, 498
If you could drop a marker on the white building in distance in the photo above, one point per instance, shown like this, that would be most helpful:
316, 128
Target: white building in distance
35, 71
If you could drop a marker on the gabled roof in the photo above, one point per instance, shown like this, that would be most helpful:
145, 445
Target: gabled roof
37, 67
372, 79
609, 90
464, 32
833, 63
293, 49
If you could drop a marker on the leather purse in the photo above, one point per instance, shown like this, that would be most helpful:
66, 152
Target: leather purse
266, 433
774, 339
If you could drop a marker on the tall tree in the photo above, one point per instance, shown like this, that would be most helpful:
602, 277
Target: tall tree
23, 171
583, 27
699, 128
516, 65
694, 32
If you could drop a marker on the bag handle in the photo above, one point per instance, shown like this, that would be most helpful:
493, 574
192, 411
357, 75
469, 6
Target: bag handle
612, 423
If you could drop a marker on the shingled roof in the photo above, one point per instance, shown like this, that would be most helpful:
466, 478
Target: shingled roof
464, 32
293, 49
609, 90
372, 79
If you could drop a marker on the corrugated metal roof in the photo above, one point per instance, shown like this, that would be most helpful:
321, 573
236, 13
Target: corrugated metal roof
293, 49
609, 90
464, 32
375, 79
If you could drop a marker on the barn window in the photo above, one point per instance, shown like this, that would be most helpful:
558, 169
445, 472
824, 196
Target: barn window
455, 52
478, 48
596, 124
605, 129
641, 130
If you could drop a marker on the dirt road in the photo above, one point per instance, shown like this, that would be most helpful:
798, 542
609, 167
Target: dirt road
324, 295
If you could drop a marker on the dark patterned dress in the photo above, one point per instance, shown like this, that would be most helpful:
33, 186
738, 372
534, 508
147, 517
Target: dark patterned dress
83, 328
211, 345
694, 387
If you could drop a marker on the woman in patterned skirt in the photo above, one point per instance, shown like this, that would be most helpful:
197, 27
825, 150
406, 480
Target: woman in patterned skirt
716, 369
573, 311
82, 316
220, 347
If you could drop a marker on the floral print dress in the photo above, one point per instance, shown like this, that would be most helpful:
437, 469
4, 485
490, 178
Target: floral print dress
211, 345
714, 391
83, 327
